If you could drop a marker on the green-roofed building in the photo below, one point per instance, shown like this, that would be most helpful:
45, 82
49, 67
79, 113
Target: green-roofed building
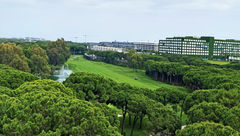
206, 47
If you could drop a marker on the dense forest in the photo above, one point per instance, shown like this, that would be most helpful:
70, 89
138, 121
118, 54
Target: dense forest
30, 104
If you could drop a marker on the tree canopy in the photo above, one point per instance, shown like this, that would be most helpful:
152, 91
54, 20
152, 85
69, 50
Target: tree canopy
47, 107
13, 78
58, 52
12, 55
207, 129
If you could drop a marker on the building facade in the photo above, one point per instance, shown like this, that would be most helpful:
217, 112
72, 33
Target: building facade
117, 44
145, 46
207, 47
104, 48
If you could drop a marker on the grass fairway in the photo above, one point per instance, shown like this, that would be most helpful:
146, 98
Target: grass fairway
120, 74
217, 62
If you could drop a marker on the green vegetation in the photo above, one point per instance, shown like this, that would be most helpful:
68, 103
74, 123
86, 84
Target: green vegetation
217, 62
58, 52
12, 55
134, 102
35, 57
46, 107
207, 129
116, 73
12, 78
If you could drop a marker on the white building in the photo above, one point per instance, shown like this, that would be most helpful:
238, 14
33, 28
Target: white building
104, 48
145, 46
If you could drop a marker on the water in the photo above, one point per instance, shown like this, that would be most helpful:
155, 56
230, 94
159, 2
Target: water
63, 73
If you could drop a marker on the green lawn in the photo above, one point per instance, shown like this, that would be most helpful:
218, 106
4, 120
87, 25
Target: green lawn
217, 62
120, 74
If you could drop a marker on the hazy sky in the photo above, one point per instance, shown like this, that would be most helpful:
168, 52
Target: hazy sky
121, 20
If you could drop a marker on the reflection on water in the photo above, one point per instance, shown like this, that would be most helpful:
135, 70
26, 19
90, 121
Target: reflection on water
64, 73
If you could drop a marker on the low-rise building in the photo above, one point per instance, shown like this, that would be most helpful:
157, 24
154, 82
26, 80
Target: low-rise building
105, 48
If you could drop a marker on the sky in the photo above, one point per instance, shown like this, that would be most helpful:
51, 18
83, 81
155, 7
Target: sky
120, 20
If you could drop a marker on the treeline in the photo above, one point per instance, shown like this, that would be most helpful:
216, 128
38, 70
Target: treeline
205, 77
31, 57
134, 60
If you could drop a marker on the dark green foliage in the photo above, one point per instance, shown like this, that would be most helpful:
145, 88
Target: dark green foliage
111, 57
205, 77
162, 120
58, 52
234, 118
110, 113
208, 112
5, 90
77, 48
233, 65
46, 107
229, 98
207, 129
167, 95
90, 86
43, 85
13, 78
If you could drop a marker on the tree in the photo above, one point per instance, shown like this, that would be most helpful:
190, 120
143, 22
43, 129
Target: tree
166, 95
207, 129
58, 52
13, 78
228, 98
39, 59
198, 97
208, 112
90, 86
234, 118
12, 55
162, 119
134, 59
137, 106
120, 99
43, 85
110, 113
77, 48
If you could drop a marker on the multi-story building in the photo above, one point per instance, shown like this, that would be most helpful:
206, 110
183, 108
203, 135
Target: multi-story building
118, 44
105, 48
207, 47
145, 46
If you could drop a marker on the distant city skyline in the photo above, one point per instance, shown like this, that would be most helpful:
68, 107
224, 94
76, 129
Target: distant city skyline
120, 20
